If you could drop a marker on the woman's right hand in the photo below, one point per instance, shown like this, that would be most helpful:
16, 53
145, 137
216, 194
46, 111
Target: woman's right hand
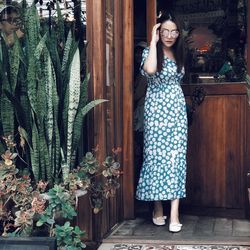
155, 33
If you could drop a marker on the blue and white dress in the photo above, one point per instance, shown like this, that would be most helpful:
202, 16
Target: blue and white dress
163, 174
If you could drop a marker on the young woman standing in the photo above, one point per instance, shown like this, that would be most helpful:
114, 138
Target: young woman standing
163, 174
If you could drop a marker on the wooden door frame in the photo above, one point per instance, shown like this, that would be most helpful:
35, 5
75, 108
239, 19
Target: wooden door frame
151, 9
96, 58
128, 72
124, 47
127, 99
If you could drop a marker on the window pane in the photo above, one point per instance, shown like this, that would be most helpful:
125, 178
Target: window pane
42, 63
216, 38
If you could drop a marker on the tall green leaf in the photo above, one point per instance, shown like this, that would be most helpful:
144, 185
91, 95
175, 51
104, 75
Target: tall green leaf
35, 162
14, 58
74, 96
79, 120
60, 25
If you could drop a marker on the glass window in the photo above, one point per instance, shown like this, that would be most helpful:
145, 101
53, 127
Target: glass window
42, 68
215, 34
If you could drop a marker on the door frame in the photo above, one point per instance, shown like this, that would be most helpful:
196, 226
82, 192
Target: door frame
127, 100
123, 70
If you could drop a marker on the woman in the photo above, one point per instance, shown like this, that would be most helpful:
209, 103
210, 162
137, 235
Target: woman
10, 23
163, 174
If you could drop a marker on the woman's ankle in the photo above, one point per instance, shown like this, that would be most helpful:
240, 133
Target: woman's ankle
174, 221
157, 214
158, 209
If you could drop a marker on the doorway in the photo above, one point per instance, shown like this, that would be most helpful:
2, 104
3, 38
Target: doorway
209, 56
140, 42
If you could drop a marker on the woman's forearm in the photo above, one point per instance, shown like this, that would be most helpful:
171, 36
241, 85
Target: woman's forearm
150, 64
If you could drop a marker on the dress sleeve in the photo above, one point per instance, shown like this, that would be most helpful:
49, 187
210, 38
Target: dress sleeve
144, 56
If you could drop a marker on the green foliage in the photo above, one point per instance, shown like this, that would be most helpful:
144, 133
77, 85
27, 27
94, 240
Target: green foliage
69, 236
52, 103
26, 206
42, 91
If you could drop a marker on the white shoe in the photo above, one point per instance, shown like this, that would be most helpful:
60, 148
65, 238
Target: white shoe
175, 227
159, 221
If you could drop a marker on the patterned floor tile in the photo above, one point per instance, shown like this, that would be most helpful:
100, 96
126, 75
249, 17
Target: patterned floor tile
142, 247
126, 246
208, 247
158, 247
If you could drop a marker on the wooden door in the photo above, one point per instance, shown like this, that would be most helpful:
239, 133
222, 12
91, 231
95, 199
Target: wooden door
217, 149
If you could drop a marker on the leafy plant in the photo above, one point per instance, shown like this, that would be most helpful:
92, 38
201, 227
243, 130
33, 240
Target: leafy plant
43, 102
26, 206
44, 93
69, 236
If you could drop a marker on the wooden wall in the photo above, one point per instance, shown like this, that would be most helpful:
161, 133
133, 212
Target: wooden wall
217, 150
110, 63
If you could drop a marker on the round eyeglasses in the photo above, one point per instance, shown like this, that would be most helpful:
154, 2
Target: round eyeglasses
12, 20
171, 33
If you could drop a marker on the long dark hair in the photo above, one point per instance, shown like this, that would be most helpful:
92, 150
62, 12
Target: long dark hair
7, 11
178, 47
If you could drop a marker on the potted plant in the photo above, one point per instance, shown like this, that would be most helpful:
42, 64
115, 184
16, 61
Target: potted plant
43, 103
30, 208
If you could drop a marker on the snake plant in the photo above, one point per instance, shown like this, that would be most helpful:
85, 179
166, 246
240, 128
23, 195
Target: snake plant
42, 90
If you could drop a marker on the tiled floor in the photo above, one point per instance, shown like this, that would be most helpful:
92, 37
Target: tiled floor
196, 230
124, 246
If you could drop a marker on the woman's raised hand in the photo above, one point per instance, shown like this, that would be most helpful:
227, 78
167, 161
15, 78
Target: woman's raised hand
155, 33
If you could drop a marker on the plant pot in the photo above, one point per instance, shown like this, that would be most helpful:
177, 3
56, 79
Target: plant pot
28, 243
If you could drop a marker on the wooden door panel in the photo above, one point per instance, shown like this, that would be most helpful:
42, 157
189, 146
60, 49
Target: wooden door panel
205, 150
235, 150
215, 153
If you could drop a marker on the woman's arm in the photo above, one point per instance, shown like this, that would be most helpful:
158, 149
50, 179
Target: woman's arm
150, 64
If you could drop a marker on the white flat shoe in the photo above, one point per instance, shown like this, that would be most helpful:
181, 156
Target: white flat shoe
175, 227
159, 221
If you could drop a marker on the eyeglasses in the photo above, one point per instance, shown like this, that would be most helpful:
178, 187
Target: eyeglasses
172, 33
12, 20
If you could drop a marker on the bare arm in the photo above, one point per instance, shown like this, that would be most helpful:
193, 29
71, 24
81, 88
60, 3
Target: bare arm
150, 64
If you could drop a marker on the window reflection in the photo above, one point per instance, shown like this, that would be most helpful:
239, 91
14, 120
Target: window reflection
73, 15
215, 32
71, 10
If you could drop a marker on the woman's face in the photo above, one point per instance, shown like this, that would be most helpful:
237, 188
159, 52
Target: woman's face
168, 33
10, 23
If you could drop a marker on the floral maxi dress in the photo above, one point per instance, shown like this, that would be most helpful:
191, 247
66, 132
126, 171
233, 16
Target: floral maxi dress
163, 173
